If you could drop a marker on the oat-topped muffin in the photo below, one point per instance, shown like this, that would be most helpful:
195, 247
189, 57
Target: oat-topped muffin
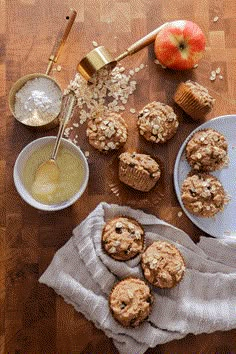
130, 302
122, 238
138, 171
107, 131
194, 99
157, 122
163, 265
203, 195
207, 150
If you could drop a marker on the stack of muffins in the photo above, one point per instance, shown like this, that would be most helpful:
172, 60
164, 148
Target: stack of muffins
163, 266
202, 193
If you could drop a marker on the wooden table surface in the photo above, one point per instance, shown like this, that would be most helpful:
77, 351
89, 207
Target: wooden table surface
33, 319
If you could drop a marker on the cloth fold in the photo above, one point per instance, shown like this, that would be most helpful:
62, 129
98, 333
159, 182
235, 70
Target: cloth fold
204, 301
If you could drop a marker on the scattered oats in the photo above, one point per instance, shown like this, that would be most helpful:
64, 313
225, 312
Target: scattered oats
220, 77
215, 19
142, 66
108, 91
112, 250
156, 61
122, 69
58, 67
195, 66
94, 43
86, 153
137, 70
212, 78
180, 214
213, 73
130, 294
218, 70
132, 110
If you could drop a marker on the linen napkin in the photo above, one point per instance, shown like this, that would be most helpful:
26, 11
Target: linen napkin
204, 301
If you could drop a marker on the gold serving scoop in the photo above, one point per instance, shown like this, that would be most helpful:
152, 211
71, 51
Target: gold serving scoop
100, 57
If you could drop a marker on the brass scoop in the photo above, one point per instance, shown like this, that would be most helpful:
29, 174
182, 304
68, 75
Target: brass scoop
100, 57
56, 51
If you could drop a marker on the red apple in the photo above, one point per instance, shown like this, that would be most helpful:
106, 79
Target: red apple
180, 45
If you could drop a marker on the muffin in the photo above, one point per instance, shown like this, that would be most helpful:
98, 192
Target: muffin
122, 238
207, 150
194, 99
107, 132
157, 122
138, 171
163, 265
130, 302
203, 195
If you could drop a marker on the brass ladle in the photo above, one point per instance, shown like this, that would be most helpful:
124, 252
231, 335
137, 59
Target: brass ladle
47, 174
56, 51
100, 57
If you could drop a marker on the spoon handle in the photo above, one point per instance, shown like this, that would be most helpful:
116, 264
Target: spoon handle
61, 39
141, 43
66, 114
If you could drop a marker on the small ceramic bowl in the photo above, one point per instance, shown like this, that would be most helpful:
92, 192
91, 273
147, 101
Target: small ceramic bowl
19, 167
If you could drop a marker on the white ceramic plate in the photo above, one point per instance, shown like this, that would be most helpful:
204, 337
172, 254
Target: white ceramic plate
222, 224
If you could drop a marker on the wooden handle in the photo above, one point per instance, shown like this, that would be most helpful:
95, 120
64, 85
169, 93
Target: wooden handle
61, 39
141, 43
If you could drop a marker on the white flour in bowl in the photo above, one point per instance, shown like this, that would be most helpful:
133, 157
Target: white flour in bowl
38, 102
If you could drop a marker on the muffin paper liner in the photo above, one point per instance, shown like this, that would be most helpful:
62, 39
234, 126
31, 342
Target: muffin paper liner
136, 179
189, 103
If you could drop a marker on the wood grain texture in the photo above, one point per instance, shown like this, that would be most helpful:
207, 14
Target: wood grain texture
33, 319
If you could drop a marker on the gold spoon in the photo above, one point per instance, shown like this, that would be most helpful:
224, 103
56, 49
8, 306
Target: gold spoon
47, 175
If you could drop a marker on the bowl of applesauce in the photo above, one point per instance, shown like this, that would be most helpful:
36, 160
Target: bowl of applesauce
73, 174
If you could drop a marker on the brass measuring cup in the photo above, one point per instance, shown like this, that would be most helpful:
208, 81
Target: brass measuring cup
58, 46
100, 57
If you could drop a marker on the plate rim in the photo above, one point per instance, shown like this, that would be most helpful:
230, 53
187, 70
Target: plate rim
176, 165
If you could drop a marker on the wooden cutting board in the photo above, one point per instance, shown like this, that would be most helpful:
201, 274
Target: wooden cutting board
32, 318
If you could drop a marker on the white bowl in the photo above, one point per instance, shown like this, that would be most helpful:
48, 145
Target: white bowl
19, 167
